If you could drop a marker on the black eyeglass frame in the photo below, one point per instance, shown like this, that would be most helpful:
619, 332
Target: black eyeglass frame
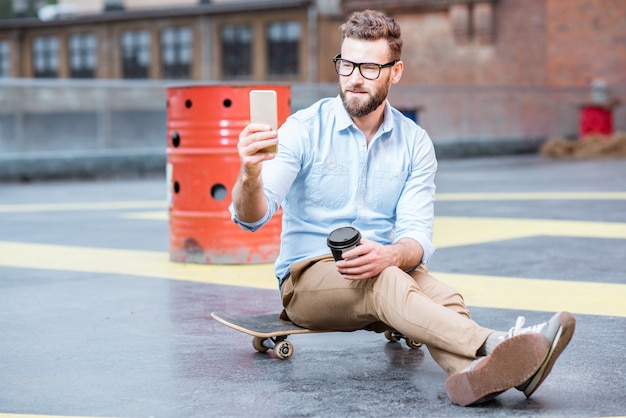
358, 64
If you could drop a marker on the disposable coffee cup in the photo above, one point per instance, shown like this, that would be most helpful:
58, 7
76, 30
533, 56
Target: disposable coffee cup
343, 239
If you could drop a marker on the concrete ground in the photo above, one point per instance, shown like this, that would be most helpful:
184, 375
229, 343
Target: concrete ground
95, 321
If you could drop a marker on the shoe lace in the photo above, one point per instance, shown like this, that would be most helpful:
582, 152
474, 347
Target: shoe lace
519, 328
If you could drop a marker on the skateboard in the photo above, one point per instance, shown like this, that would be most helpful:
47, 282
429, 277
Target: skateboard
270, 332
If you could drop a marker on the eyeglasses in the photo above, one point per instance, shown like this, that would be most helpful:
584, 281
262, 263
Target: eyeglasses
368, 70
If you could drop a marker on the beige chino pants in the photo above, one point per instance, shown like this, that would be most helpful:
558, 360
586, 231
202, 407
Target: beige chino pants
416, 304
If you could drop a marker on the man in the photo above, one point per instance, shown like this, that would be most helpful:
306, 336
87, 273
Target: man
354, 160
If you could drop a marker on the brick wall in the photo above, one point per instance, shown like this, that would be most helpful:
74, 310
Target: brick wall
586, 39
440, 50
533, 43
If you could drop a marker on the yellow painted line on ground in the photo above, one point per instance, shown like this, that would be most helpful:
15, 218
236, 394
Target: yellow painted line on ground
160, 215
445, 197
483, 291
60, 207
539, 294
452, 231
152, 204
39, 416
132, 263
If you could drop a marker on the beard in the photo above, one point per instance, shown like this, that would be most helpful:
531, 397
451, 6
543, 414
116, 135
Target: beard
357, 108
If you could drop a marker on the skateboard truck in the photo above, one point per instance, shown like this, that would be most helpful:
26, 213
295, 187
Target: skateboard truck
283, 349
395, 336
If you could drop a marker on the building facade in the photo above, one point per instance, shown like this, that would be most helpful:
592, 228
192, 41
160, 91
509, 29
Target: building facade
228, 41
446, 42
481, 76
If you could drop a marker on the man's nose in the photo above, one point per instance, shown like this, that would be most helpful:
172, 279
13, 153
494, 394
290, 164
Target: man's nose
356, 77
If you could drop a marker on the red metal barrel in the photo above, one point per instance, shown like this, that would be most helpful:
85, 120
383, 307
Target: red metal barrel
203, 126
596, 119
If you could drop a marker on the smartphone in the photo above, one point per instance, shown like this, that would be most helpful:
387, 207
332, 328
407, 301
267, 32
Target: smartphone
264, 109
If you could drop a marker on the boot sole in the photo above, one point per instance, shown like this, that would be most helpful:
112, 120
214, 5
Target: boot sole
512, 363
563, 337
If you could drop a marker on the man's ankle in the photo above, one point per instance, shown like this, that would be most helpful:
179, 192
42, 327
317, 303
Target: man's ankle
491, 342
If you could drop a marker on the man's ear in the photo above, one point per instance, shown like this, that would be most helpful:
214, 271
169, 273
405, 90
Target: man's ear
396, 72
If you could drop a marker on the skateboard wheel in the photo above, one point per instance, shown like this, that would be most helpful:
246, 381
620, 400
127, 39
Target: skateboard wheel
257, 343
283, 349
412, 343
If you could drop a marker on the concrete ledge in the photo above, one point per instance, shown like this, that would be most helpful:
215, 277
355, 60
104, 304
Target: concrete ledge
110, 164
487, 147
129, 163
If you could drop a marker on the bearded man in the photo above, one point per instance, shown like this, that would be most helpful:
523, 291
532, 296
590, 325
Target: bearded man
354, 160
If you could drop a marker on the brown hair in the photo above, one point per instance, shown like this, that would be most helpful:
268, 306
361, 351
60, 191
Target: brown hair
371, 25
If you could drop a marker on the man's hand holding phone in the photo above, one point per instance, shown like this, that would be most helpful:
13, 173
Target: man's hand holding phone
254, 141
258, 142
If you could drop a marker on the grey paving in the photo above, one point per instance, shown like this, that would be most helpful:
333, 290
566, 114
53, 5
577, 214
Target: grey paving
100, 344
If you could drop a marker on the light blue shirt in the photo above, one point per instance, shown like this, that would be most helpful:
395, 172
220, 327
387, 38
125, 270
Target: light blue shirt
325, 176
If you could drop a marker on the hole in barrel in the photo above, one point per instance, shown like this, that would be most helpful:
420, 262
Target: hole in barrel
218, 192
187, 103
175, 139
228, 103
176, 187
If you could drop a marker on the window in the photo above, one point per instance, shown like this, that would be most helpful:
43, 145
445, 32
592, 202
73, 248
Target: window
176, 52
135, 54
5, 63
45, 57
236, 51
82, 55
283, 45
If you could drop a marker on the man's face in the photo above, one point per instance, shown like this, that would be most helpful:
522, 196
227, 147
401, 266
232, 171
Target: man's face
362, 96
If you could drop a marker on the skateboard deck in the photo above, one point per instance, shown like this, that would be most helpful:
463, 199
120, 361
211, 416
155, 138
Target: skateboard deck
263, 326
270, 332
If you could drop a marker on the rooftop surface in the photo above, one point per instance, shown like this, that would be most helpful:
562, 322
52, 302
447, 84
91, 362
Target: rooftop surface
96, 321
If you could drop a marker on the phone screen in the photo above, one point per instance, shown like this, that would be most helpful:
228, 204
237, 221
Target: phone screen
264, 109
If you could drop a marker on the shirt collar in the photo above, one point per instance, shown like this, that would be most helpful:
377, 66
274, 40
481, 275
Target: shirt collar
342, 119
388, 119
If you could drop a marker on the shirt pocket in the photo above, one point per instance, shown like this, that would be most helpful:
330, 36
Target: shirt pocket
388, 186
330, 185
